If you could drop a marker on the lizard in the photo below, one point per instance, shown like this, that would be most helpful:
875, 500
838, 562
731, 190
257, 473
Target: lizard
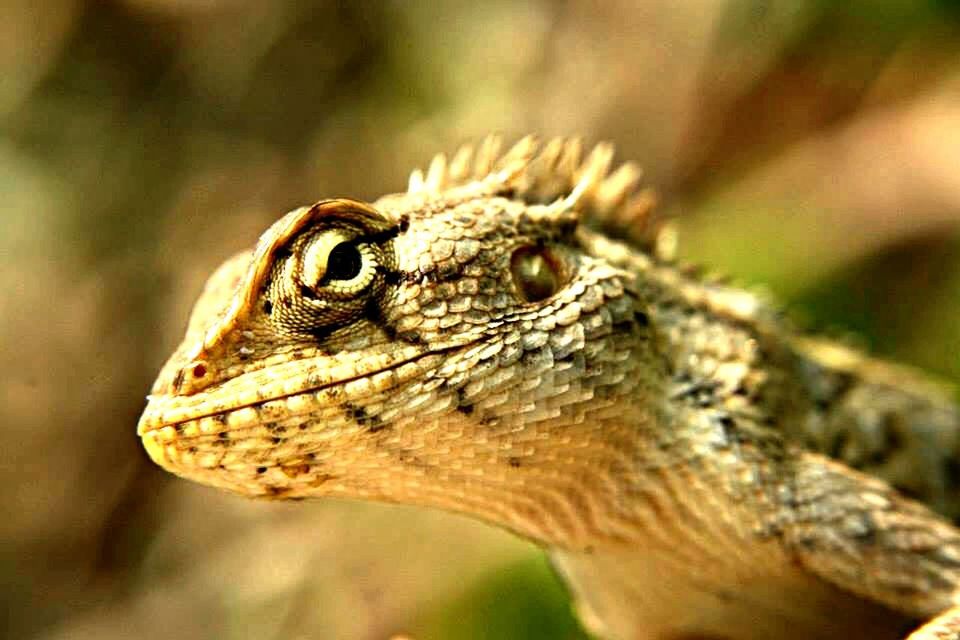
513, 338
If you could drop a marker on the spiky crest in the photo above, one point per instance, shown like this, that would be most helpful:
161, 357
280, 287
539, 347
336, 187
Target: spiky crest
555, 173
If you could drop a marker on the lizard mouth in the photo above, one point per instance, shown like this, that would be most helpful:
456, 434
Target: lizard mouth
255, 433
284, 390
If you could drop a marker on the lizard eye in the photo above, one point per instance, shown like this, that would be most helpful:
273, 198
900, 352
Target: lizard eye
536, 272
337, 265
329, 275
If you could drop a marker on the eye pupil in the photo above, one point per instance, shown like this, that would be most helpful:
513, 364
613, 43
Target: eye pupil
344, 262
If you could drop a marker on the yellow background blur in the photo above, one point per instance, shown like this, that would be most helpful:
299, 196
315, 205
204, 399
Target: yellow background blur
810, 145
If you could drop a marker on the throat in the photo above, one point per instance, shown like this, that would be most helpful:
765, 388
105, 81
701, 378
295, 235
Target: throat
650, 593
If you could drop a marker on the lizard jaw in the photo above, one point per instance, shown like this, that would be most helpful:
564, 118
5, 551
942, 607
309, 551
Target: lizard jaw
189, 434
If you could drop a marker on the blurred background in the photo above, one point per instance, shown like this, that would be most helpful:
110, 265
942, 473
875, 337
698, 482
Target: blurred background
811, 146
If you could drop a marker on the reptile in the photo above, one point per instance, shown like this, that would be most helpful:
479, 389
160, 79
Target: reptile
513, 338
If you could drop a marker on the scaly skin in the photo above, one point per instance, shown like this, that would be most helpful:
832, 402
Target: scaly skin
484, 344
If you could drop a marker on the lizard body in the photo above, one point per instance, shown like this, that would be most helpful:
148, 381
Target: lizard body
510, 339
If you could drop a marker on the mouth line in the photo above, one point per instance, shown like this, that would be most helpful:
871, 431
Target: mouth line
147, 425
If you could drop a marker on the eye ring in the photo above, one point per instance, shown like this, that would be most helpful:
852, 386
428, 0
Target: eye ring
537, 273
334, 264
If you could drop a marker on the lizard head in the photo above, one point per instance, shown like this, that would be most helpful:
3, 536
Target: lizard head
462, 345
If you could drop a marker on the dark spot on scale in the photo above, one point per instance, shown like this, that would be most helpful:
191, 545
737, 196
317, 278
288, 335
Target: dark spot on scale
404, 223
302, 426
726, 421
192, 449
389, 276
388, 329
261, 470
359, 415
513, 462
373, 313
286, 301
223, 435
463, 405
529, 358
267, 307
178, 379
295, 470
410, 337
808, 543
568, 358
448, 272
641, 318
276, 440
307, 292
410, 277
376, 425
220, 417
320, 334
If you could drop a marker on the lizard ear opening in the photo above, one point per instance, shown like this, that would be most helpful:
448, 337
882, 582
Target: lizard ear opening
537, 273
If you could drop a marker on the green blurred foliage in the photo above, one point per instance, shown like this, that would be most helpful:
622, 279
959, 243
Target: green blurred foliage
523, 600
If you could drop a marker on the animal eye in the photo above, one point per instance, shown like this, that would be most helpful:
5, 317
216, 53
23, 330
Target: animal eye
331, 271
536, 273
333, 262
343, 263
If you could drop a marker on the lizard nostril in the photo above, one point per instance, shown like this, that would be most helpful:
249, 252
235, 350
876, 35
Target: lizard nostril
190, 378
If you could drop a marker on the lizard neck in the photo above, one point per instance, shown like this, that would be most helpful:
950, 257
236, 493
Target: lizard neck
603, 482
657, 453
